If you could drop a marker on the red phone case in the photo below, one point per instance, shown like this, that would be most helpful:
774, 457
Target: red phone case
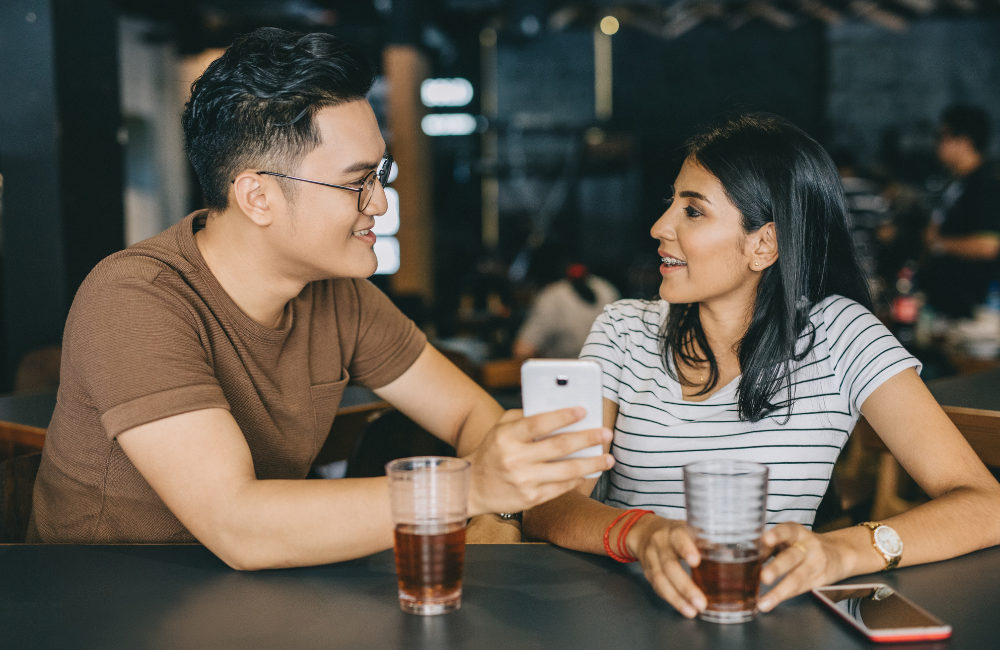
894, 635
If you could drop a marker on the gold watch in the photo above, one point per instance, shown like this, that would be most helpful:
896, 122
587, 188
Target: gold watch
887, 542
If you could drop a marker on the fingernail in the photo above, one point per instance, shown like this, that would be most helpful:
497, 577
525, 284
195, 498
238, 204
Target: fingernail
607, 435
579, 411
764, 605
700, 603
689, 612
609, 461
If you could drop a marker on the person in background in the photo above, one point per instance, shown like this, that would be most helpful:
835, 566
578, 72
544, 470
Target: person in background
762, 348
963, 238
202, 368
562, 314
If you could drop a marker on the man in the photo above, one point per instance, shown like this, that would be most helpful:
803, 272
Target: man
964, 235
202, 368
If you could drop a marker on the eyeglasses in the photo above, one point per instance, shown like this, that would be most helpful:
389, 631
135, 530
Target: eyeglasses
367, 189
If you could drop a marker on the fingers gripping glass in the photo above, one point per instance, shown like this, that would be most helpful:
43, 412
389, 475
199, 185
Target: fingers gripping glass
367, 189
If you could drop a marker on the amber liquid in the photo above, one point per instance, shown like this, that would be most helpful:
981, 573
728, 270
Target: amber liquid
730, 580
429, 563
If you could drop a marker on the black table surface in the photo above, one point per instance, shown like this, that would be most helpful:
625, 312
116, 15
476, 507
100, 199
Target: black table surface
980, 390
519, 597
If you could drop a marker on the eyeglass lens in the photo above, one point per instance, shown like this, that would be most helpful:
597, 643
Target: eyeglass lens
368, 186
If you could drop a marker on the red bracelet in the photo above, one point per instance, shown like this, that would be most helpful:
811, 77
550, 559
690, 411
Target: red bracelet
623, 556
623, 534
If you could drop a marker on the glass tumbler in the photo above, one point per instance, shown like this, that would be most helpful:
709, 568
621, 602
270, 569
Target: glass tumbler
429, 497
726, 501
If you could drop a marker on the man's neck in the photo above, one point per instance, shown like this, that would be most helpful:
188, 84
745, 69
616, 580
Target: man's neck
234, 250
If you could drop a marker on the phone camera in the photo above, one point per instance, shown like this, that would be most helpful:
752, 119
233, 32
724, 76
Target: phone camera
562, 380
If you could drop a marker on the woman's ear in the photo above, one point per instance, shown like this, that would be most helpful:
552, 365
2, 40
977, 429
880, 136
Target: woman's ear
254, 197
763, 247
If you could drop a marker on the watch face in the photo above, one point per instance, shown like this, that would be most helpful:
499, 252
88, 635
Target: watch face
888, 541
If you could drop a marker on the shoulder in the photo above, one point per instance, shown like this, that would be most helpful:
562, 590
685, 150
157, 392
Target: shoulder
835, 314
631, 310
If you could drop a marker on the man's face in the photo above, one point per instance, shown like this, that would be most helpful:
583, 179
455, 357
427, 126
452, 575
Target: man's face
321, 232
951, 149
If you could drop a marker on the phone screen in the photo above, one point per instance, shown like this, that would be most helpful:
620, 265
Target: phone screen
877, 608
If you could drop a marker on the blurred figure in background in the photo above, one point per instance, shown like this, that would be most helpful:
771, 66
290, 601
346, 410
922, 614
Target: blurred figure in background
560, 319
963, 237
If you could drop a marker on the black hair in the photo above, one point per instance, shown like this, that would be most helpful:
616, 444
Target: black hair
970, 121
254, 106
773, 172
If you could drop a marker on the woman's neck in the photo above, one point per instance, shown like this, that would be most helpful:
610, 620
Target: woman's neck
724, 325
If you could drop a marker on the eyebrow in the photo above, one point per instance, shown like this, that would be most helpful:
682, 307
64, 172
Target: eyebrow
362, 166
694, 195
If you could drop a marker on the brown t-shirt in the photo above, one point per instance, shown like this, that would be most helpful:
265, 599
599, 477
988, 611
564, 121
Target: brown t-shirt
152, 334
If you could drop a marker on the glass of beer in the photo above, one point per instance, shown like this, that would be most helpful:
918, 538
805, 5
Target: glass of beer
725, 502
429, 497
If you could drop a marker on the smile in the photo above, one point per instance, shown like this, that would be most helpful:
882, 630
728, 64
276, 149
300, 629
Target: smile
673, 261
360, 233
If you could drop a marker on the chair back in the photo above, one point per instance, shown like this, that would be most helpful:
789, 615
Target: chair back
17, 482
389, 436
980, 428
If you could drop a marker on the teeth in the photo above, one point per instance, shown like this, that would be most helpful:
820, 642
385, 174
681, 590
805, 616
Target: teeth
672, 261
361, 233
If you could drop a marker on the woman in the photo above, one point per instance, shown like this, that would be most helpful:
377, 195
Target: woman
763, 348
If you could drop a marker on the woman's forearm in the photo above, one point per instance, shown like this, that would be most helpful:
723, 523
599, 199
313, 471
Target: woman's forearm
573, 521
957, 522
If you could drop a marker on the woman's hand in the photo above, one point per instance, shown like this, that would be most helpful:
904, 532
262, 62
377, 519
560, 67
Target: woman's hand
660, 544
804, 558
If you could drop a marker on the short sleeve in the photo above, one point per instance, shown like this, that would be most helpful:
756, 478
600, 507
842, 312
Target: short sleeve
137, 351
388, 342
606, 345
863, 352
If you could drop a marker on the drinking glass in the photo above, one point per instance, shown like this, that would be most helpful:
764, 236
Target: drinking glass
429, 497
725, 502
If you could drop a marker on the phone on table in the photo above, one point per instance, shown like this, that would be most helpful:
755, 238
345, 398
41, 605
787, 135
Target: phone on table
553, 384
882, 614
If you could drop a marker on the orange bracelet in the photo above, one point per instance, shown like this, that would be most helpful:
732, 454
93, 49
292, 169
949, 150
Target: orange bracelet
623, 555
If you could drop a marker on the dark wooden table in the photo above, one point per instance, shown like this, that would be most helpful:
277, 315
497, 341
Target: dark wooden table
519, 597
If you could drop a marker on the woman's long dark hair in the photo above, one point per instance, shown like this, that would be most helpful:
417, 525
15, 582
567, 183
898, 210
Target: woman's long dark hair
772, 171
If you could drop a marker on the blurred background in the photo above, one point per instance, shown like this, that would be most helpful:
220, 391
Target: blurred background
535, 141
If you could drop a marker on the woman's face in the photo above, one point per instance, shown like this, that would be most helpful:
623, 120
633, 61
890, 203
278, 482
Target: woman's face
706, 255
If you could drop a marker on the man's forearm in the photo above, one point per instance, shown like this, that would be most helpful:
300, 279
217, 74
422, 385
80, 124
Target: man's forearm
972, 247
274, 524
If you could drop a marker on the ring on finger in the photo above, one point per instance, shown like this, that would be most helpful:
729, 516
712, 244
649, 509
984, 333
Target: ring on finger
800, 546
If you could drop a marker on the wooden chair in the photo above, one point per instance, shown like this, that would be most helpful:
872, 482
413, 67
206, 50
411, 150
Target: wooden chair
980, 428
17, 482
501, 374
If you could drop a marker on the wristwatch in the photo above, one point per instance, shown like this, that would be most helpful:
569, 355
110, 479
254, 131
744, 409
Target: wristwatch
510, 516
887, 542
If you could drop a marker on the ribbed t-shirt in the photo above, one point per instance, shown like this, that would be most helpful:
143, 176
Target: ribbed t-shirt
657, 432
152, 334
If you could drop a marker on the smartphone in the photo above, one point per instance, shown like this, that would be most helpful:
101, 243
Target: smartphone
553, 384
881, 614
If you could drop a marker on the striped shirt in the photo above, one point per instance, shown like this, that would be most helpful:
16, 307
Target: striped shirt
657, 432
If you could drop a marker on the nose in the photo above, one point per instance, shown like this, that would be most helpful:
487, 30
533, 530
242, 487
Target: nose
379, 204
663, 229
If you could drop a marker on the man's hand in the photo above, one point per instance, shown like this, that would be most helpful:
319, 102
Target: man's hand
512, 470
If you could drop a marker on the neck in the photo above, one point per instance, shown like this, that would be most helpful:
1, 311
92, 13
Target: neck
725, 321
235, 250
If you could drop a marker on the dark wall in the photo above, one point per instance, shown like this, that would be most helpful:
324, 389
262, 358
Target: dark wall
60, 160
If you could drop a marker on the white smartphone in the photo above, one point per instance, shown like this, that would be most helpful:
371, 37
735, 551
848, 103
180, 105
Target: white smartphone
553, 384
881, 614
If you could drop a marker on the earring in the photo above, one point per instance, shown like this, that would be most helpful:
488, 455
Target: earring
756, 263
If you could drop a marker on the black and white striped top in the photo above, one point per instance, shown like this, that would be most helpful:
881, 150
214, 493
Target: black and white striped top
657, 432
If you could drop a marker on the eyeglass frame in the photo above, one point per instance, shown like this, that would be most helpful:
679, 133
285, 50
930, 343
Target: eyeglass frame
380, 173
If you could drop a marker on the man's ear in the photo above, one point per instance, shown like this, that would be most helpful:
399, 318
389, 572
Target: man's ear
255, 197
763, 247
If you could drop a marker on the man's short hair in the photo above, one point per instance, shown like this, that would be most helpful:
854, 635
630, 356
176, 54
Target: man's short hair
253, 107
970, 121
